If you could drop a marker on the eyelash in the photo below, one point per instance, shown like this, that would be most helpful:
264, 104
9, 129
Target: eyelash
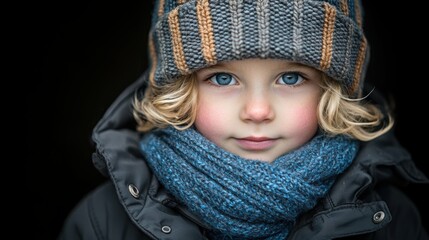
300, 74
209, 81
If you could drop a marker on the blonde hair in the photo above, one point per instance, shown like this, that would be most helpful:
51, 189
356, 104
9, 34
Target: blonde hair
171, 104
175, 104
358, 118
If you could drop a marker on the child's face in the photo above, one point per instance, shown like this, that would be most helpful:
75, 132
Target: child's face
258, 109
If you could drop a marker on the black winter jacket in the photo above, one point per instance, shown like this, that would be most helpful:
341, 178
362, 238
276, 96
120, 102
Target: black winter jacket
364, 203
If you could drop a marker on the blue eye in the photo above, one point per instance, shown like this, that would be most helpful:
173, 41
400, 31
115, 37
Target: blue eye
222, 79
291, 79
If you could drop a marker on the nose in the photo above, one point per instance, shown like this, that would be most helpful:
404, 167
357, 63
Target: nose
257, 108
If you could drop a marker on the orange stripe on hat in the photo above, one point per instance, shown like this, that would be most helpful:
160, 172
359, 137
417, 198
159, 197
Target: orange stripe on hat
328, 36
358, 13
359, 66
176, 39
344, 7
153, 57
206, 31
160, 8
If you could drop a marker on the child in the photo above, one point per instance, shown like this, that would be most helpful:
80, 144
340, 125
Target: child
254, 123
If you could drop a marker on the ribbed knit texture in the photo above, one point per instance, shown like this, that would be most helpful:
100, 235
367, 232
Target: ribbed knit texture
327, 35
241, 198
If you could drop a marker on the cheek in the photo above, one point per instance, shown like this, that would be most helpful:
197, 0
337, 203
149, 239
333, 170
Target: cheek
210, 119
305, 121
306, 118
205, 118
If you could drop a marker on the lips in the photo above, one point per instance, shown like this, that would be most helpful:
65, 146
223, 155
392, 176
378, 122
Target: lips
256, 143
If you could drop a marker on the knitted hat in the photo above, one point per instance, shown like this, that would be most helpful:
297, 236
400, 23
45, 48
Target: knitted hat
190, 34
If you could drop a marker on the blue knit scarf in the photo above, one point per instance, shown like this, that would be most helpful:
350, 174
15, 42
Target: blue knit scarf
241, 198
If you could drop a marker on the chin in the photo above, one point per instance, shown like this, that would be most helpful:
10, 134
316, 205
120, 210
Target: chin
261, 159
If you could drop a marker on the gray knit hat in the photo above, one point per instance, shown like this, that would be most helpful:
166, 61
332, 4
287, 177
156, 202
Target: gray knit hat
190, 34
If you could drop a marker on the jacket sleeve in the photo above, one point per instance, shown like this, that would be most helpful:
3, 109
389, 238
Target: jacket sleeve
80, 224
99, 216
406, 219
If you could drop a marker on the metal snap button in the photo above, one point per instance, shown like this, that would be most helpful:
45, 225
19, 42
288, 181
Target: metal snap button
166, 229
134, 190
378, 217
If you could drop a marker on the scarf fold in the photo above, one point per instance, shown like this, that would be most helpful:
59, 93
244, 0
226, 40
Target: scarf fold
242, 198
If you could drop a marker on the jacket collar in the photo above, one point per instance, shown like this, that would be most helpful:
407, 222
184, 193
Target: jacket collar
118, 156
349, 209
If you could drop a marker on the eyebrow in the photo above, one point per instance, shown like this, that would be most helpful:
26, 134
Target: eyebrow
221, 64
294, 64
212, 68
285, 64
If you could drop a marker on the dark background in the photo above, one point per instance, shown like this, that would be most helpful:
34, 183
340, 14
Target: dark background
84, 54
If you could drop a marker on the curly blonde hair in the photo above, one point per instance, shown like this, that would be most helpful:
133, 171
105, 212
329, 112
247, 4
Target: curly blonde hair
175, 105
357, 118
172, 104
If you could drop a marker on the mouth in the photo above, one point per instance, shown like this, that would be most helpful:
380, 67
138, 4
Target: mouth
256, 143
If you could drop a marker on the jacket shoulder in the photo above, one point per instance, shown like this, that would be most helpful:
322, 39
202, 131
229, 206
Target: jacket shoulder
99, 215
